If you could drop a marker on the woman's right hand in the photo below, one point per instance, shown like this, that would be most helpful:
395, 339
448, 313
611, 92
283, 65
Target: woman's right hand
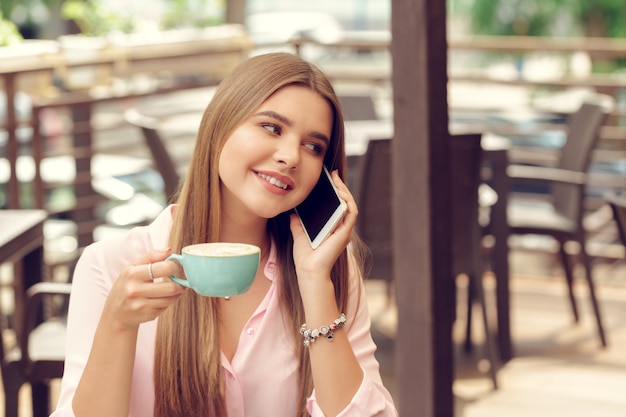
137, 297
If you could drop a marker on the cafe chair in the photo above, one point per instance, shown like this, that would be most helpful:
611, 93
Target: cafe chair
561, 215
358, 107
373, 196
468, 254
163, 161
618, 207
38, 354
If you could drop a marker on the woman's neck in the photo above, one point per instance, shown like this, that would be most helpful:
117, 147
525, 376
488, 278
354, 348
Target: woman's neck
252, 234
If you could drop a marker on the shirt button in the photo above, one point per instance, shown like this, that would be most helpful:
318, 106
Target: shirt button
250, 331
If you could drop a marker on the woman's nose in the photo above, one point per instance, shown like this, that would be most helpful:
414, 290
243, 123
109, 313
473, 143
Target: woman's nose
288, 153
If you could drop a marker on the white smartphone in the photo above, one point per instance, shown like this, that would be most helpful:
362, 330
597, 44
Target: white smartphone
322, 210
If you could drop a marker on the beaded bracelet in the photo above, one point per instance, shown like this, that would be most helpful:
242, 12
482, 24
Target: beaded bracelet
310, 335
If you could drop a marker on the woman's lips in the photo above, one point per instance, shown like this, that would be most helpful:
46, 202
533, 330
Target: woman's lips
275, 183
273, 180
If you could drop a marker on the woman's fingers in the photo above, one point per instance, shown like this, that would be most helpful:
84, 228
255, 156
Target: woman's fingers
151, 304
132, 302
153, 256
314, 261
352, 210
344, 193
140, 284
147, 261
140, 294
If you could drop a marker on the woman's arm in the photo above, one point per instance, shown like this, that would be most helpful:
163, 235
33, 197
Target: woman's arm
371, 397
336, 372
343, 369
103, 323
367, 396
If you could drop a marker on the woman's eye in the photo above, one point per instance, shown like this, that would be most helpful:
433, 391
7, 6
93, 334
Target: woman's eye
272, 128
315, 147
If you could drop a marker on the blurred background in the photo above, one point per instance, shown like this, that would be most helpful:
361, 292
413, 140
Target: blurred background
100, 101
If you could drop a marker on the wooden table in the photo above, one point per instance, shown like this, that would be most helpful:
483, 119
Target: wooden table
21, 242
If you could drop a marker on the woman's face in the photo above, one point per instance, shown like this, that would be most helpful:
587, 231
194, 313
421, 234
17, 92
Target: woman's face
274, 158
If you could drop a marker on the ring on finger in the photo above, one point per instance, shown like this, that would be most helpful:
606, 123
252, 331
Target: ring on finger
150, 272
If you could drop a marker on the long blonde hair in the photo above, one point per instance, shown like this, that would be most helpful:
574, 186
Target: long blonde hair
188, 377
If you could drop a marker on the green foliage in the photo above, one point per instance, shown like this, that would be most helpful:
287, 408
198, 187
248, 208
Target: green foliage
190, 13
590, 18
7, 6
544, 17
9, 33
605, 16
94, 18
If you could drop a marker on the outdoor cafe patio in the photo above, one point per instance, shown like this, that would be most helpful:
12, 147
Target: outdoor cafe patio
547, 364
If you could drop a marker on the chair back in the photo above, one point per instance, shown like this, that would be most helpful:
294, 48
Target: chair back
3, 344
582, 136
358, 107
38, 355
373, 196
162, 159
618, 205
465, 178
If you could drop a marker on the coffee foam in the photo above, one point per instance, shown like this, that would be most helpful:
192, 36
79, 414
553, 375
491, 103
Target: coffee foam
221, 249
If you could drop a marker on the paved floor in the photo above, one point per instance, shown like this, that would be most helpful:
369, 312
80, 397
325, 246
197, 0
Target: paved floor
559, 368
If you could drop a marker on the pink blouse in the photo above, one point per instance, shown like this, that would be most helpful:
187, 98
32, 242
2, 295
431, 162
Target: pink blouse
261, 379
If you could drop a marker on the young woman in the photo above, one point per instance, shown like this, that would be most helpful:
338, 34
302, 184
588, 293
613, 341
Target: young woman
141, 345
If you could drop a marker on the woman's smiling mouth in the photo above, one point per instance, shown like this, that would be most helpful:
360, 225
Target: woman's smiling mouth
274, 181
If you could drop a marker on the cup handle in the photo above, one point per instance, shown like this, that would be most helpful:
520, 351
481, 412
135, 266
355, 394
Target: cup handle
178, 258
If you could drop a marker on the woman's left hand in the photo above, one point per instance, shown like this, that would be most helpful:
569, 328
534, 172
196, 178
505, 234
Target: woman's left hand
317, 263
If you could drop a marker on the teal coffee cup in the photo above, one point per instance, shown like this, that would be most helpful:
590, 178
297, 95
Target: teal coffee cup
218, 269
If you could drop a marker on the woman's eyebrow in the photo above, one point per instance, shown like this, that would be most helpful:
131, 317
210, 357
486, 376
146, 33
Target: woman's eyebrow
276, 116
288, 122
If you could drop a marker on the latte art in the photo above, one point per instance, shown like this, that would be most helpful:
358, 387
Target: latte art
220, 249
